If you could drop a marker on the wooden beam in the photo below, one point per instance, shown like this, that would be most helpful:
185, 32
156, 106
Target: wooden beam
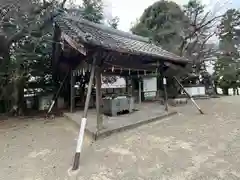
84, 118
55, 97
99, 101
189, 96
77, 46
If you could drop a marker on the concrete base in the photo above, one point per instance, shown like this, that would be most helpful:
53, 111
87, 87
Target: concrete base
146, 113
73, 175
176, 101
201, 97
194, 97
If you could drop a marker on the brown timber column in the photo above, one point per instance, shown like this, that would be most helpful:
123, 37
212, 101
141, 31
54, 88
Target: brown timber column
139, 91
127, 84
55, 97
165, 93
164, 80
84, 118
99, 102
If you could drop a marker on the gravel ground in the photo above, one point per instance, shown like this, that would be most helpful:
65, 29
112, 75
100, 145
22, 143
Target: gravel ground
187, 146
36, 149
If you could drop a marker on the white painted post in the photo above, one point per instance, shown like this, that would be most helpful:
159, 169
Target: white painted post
165, 93
84, 119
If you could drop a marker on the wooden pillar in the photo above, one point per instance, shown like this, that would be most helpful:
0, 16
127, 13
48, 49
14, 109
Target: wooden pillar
84, 118
127, 84
99, 101
73, 81
133, 90
158, 87
55, 97
139, 91
165, 93
164, 82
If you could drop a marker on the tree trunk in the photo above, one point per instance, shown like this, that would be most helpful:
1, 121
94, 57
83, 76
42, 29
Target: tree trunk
5, 94
14, 100
17, 100
215, 90
215, 87
4, 50
225, 91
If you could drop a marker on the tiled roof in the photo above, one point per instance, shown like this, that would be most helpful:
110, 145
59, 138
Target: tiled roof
111, 39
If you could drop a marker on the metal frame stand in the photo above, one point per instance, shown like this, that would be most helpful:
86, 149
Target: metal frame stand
189, 96
84, 119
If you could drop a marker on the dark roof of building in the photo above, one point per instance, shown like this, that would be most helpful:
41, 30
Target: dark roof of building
108, 38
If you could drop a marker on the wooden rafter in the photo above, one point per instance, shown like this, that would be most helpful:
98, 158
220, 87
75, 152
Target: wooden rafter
77, 46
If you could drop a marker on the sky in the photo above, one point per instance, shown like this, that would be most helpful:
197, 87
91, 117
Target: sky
130, 10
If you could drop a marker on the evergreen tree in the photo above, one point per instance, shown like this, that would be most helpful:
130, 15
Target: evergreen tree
185, 32
227, 65
93, 10
21, 29
163, 23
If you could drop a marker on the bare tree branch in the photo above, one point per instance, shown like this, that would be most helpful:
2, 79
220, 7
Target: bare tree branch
197, 28
5, 9
44, 2
201, 52
63, 3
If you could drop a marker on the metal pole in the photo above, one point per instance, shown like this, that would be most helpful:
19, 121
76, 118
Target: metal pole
84, 119
189, 96
57, 94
